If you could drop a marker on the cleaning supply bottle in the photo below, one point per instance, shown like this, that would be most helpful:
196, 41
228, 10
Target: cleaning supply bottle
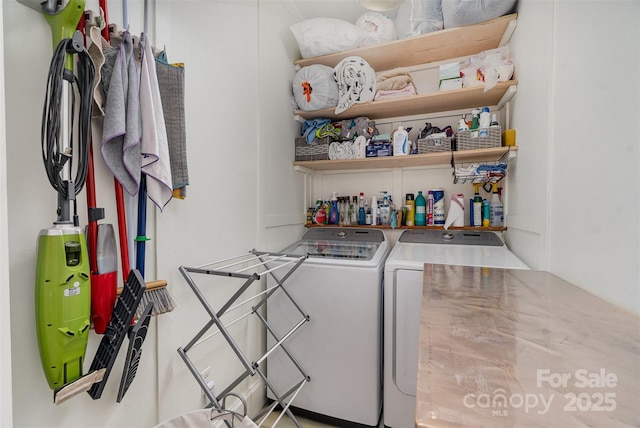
462, 123
334, 213
320, 215
421, 210
485, 213
494, 121
385, 209
400, 142
362, 213
410, 204
475, 122
496, 209
430, 206
484, 123
353, 210
477, 206
374, 211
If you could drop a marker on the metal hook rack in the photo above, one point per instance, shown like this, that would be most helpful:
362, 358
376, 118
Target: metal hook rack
249, 267
481, 172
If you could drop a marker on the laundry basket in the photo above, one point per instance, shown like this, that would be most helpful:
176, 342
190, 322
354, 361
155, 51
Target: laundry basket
464, 140
317, 150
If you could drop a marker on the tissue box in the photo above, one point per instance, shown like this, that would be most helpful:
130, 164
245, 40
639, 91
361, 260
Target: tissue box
376, 150
450, 77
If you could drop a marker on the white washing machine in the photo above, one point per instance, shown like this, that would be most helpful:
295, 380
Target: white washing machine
340, 287
403, 294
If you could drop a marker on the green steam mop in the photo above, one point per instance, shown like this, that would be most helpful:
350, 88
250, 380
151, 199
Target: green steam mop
63, 288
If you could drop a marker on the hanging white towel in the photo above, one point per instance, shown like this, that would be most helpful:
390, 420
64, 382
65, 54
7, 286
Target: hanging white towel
156, 163
121, 131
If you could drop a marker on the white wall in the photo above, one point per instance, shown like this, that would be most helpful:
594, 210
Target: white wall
574, 209
594, 206
6, 399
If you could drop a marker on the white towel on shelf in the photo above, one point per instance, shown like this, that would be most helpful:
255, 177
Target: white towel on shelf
356, 82
154, 147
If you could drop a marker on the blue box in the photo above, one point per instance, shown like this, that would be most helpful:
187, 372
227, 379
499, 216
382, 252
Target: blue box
376, 150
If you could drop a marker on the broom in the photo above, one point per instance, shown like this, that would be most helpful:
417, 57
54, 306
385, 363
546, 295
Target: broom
157, 293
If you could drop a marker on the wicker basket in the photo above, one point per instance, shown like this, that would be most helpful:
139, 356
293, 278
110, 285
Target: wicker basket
317, 150
464, 141
430, 145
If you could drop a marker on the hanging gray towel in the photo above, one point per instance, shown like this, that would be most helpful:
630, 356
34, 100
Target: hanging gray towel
171, 83
122, 129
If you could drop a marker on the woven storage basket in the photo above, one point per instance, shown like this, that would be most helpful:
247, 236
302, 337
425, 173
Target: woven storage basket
465, 142
317, 150
430, 145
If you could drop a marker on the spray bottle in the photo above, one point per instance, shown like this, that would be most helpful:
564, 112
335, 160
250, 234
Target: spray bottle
334, 212
385, 209
496, 208
477, 206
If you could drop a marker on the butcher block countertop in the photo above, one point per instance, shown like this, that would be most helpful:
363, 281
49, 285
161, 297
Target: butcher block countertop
521, 348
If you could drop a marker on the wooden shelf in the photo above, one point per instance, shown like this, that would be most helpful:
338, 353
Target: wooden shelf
436, 46
429, 159
495, 229
465, 98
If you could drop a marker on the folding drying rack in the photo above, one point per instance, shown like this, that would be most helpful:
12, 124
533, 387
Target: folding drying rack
248, 267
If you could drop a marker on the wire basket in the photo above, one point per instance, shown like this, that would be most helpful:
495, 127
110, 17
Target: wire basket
464, 140
431, 145
317, 150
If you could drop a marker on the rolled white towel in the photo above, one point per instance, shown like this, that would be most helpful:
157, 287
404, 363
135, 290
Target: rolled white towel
356, 82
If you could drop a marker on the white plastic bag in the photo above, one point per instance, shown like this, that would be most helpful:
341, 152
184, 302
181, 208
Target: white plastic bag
322, 36
417, 17
379, 27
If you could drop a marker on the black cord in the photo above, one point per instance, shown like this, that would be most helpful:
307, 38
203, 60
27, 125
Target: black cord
54, 161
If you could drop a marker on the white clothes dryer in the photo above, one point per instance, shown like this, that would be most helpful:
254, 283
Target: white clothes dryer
340, 287
403, 294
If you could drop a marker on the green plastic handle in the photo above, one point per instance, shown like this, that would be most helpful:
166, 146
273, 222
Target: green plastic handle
63, 24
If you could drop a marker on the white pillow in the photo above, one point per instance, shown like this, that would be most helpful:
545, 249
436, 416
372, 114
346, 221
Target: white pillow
322, 36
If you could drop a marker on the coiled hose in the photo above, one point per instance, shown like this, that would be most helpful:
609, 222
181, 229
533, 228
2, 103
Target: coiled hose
53, 156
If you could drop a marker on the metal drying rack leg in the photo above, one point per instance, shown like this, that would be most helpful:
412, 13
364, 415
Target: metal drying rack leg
248, 267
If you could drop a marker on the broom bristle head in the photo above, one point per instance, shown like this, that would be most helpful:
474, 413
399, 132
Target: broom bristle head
162, 302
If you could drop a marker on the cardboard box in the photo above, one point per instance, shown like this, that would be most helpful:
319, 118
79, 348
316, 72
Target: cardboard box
376, 150
449, 77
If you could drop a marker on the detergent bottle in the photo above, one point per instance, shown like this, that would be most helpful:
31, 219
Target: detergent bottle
477, 206
400, 142
362, 213
410, 205
496, 208
319, 215
421, 210
334, 212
